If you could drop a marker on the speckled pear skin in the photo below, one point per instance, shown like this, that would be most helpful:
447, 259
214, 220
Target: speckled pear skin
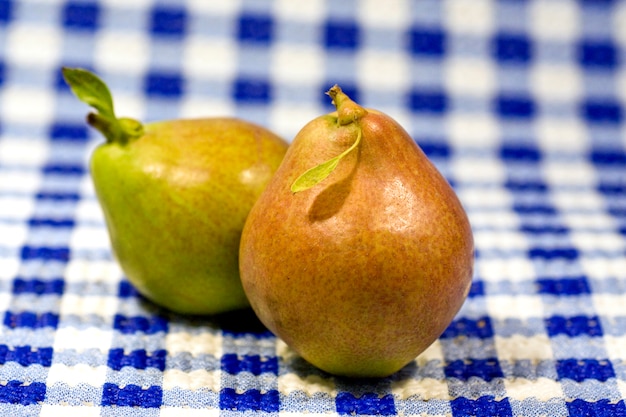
362, 272
175, 201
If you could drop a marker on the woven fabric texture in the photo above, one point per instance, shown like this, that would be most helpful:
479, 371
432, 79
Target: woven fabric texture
519, 103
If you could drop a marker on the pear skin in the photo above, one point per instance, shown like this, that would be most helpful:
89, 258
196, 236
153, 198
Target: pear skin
175, 202
364, 270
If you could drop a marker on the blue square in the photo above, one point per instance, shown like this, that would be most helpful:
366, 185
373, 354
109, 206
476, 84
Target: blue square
424, 41
366, 404
67, 131
30, 320
251, 400
138, 324
612, 158
520, 153
164, 85
573, 326
6, 10
255, 28
597, 54
563, 286
600, 408
168, 21
478, 328
485, 369
137, 359
424, 101
486, 406
131, 396
18, 392
247, 90
434, 148
81, 16
602, 112
254, 364
512, 48
580, 370
553, 253
514, 107
341, 35
38, 287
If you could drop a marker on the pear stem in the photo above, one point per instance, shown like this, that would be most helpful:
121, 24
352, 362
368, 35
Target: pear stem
347, 110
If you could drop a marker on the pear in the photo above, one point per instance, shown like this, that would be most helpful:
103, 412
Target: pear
360, 262
175, 195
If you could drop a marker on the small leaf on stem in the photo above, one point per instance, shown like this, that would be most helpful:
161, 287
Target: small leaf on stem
90, 89
317, 174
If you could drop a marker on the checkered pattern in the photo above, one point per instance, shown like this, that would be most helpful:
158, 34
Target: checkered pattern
520, 103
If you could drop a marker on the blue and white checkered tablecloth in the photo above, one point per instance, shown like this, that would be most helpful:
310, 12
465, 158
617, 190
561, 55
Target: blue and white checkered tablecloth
520, 103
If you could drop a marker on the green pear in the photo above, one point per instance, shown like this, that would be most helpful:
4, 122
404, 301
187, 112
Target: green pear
175, 195
360, 262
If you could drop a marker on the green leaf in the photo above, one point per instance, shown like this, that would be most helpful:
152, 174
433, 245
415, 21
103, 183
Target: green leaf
91, 90
318, 173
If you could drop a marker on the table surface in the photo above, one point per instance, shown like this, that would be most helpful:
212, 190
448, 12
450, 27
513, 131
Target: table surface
519, 103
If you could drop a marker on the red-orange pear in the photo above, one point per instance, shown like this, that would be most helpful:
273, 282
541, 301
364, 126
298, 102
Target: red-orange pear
358, 254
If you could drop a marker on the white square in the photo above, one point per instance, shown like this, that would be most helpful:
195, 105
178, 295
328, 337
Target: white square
70, 338
166, 411
125, 52
17, 180
310, 384
493, 219
8, 268
610, 306
384, 70
297, 64
77, 375
554, 20
209, 58
568, 135
481, 170
56, 410
473, 130
579, 221
91, 270
541, 389
554, 82
199, 107
213, 7
83, 305
392, 14
193, 380
517, 347
15, 209
470, 76
500, 240
12, 235
502, 307
424, 389
27, 105
580, 199
568, 174
286, 119
296, 10
619, 22
514, 269
90, 237
195, 344
487, 198
598, 242
22, 151
32, 45
603, 268
469, 16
